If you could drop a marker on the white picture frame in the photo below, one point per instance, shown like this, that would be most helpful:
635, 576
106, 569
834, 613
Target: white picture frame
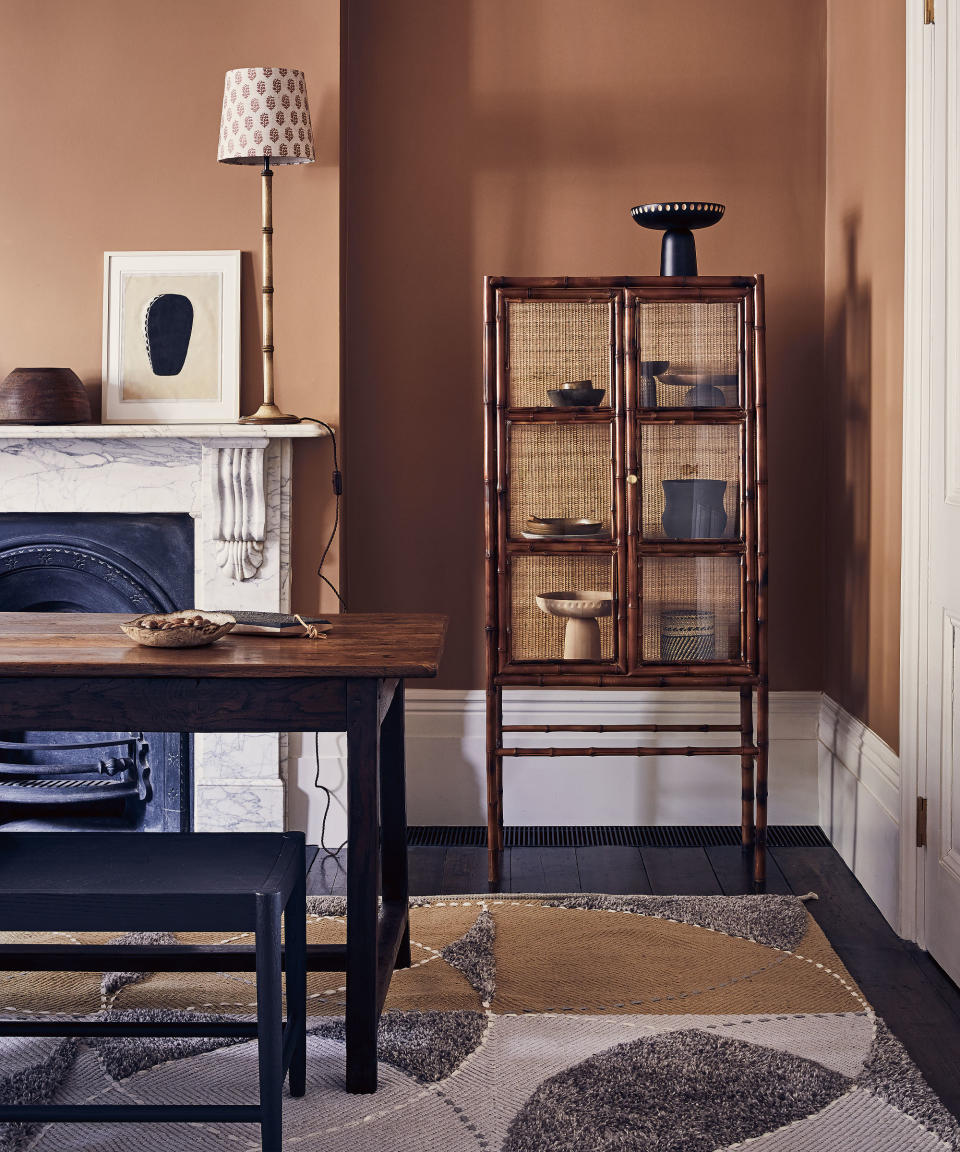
189, 303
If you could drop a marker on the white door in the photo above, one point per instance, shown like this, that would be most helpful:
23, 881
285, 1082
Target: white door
938, 745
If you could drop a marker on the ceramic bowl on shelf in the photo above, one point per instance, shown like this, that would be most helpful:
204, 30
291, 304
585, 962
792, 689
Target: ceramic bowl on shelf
576, 394
187, 628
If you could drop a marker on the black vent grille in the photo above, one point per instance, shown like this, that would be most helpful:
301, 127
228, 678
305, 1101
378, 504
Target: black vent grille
625, 835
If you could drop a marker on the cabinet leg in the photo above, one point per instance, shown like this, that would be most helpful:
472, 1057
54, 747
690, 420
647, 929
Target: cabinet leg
746, 771
760, 848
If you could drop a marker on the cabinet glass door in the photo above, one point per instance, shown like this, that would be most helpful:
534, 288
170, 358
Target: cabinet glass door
690, 482
560, 479
554, 343
691, 609
562, 609
689, 354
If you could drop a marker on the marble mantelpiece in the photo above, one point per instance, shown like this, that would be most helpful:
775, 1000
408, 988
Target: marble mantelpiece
234, 480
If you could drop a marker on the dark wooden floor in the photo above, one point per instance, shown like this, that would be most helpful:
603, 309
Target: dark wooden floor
904, 985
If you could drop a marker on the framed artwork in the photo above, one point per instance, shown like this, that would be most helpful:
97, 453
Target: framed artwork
171, 337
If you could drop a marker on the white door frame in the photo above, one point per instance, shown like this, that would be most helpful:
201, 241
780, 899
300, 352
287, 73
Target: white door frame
923, 354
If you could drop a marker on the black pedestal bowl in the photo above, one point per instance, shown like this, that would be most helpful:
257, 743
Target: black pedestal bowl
678, 250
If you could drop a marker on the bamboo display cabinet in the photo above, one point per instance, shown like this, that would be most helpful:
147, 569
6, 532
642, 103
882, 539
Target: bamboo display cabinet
658, 576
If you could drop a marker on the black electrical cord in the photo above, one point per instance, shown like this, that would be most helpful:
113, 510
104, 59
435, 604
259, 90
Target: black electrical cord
328, 853
338, 492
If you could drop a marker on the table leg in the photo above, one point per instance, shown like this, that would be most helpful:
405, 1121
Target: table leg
295, 928
393, 815
363, 755
269, 1021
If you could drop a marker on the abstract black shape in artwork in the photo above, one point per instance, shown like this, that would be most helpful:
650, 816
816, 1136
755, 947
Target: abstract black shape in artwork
168, 326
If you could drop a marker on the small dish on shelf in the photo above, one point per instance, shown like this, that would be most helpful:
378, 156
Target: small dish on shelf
188, 628
560, 527
576, 394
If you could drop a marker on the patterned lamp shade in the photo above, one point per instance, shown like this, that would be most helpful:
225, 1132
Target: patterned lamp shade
265, 113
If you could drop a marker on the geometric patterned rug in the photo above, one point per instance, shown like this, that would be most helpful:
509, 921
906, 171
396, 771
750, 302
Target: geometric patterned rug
526, 1024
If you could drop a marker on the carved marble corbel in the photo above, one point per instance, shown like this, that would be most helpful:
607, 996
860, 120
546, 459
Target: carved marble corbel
242, 510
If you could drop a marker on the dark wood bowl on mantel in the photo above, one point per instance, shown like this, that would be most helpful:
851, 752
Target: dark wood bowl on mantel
44, 396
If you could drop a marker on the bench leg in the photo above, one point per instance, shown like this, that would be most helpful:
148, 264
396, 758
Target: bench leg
270, 1022
295, 926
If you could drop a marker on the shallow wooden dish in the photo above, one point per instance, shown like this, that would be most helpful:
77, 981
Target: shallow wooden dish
178, 637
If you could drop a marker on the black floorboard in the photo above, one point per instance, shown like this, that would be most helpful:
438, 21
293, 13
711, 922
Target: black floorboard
909, 991
680, 872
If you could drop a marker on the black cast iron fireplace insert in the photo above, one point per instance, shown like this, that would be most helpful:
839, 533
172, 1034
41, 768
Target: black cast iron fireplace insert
80, 562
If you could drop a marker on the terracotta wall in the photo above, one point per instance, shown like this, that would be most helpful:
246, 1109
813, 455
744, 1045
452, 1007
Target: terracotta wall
110, 111
863, 319
490, 136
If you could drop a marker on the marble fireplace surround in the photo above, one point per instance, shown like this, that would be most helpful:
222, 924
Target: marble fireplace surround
234, 480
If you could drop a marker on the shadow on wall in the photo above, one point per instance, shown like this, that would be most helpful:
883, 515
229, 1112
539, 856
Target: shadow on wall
848, 361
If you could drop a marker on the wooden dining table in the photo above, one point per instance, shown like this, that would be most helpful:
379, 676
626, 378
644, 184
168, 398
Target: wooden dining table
78, 672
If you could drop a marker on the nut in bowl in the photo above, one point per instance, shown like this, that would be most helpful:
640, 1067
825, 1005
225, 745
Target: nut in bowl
187, 628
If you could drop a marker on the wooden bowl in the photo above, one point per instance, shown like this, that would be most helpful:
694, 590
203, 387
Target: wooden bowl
180, 637
562, 526
43, 396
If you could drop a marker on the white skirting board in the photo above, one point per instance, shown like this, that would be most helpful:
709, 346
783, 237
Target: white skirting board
446, 777
859, 781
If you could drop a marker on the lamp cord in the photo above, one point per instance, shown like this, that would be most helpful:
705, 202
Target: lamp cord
328, 853
338, 492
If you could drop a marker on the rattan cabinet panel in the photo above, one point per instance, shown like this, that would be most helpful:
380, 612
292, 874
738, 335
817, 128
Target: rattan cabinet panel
538, 637
691, 609
560, 470
671, 591
697, 342
555, 342
690, 481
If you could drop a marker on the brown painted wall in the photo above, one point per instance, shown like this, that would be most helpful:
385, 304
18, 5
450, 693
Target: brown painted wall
864, 356
110, 110
490, 136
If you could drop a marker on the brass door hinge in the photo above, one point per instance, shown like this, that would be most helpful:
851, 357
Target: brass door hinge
928, 11
921, 821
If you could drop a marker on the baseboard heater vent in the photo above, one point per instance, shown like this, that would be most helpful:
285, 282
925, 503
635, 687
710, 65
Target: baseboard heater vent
625, 835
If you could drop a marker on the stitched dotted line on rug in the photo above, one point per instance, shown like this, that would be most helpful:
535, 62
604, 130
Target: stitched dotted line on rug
433, 1089
700, 991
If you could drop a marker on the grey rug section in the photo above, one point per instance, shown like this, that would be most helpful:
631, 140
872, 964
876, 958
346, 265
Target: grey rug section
777, 921
35, 1084
121, 1056
472, 955
112, 982
326, 905
428, 1046
680, 1092
890, 1074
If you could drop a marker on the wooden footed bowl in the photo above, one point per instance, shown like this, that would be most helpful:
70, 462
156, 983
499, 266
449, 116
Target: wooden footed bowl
43, 396
216, 624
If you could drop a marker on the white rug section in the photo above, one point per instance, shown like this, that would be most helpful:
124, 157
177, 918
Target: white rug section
857, 1122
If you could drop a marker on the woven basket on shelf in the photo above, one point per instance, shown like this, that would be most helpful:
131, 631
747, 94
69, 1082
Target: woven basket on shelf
692, 587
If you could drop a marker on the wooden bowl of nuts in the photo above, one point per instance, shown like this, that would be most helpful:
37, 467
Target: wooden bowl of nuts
185, 629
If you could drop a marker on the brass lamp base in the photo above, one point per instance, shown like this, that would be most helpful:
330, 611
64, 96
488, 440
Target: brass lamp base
269, 414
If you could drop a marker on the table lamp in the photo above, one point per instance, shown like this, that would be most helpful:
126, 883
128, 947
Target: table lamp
266, 118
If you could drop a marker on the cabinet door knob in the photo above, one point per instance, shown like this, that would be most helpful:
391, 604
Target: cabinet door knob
632, 478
